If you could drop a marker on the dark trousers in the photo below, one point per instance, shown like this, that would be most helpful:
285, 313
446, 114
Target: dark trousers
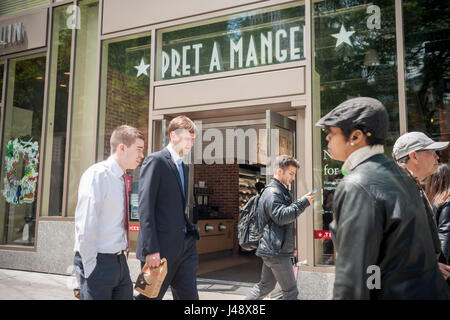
110, 280
181, 273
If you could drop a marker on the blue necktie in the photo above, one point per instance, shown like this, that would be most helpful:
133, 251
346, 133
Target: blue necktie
180, 171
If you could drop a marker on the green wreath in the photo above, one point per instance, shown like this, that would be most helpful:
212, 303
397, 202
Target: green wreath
18, 191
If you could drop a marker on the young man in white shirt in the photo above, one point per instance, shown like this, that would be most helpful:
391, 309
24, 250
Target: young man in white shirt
101, 220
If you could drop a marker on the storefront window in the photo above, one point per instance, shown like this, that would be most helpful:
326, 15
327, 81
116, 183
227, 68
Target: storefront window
427, 61
125, 93
354, 55
57, 115
85, 102
2, 68
245, 40
21, 150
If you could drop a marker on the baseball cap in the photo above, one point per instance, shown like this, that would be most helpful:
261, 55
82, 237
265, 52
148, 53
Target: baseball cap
365, 112
415, 141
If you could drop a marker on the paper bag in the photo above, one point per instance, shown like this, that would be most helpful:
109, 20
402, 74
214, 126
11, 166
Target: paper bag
150, 280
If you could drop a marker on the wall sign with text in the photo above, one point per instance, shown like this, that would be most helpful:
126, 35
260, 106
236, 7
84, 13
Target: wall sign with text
258, 38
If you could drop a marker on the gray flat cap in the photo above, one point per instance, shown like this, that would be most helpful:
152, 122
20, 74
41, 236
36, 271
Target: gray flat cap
366, 112
415, 141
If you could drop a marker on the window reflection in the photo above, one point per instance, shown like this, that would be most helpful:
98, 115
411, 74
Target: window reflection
85, 101
2, 67
125, 93
52, 197
354, 55
21, 148
427, 60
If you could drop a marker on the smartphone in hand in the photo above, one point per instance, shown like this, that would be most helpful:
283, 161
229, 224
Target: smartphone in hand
313, 191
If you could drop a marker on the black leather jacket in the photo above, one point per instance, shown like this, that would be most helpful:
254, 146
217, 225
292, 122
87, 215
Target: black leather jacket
443, 224
380, 220
279, 213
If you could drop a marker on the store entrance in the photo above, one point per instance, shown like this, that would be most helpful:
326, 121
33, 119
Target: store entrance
230, 163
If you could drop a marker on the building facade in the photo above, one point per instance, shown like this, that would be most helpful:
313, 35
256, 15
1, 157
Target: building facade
254, 75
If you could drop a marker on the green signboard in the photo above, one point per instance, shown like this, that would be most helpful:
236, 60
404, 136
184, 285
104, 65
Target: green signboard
251, 39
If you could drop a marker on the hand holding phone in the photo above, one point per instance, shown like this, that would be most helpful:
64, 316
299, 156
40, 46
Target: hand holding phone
310, 196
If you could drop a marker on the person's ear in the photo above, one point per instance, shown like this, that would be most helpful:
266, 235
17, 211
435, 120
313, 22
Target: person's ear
413, 156
279, 172
121, 147
356, 137
173, 136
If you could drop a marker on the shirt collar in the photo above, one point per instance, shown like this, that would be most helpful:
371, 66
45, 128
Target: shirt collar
115, 168
286, 188
361, 155
175, 156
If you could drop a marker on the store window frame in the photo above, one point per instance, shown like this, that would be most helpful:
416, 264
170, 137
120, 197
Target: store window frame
64, 214
402, 107
102, 98
6, 63
45, 152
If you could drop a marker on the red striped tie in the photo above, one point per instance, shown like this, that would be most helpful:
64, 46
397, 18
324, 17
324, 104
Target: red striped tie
126, 211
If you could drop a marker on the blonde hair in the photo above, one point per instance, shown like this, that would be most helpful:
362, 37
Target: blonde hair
180, 123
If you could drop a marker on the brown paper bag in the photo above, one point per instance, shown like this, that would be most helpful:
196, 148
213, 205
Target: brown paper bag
150, 280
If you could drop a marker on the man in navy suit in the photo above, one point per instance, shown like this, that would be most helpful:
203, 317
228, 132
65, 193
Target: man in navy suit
165, 230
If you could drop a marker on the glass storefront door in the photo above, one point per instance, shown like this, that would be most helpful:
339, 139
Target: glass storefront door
281, 135
21, 149
229, 165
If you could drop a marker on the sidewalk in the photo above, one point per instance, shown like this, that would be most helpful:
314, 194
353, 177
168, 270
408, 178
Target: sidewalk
24, 285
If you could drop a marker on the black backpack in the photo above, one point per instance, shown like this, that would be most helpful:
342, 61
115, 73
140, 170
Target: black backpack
250, 224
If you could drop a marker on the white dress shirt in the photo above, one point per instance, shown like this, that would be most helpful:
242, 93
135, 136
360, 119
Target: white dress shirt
99, 225
175, 156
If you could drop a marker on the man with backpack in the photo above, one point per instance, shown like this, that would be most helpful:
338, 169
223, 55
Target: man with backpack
278, 213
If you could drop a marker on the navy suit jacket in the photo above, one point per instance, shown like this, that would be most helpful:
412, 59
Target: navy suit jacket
162, 206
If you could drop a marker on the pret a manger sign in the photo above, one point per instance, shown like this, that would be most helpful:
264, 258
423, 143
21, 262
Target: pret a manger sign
241, 42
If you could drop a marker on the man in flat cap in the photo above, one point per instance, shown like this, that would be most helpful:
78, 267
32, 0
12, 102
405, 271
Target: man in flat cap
416, 153
380, 232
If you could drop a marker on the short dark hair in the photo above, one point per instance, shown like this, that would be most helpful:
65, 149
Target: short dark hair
124, 134
371, 140
284, 161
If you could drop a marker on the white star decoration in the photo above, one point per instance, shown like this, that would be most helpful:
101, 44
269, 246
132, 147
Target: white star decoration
142, 68
343, 36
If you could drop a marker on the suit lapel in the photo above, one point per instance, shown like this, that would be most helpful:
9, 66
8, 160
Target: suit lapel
175, 172
186, 180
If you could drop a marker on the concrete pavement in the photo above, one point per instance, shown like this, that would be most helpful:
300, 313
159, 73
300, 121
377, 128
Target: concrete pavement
24, 285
